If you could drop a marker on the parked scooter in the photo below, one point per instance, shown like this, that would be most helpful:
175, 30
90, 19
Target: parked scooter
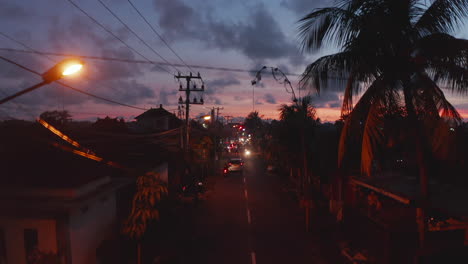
194, 188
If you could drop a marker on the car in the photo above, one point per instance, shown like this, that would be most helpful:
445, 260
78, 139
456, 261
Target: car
235, 165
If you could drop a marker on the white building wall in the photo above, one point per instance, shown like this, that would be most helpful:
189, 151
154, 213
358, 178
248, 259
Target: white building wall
89, 226
14, 237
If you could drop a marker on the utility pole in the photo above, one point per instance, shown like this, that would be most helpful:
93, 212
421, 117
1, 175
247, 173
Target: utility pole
187, 102
217, 112
180, 115
212, 115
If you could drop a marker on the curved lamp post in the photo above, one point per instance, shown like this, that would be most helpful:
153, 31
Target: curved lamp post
282, 79
61, 69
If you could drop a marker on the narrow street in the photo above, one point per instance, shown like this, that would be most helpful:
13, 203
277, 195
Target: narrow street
249, 219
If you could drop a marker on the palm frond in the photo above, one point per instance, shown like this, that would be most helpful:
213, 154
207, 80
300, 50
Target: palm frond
430, 100
324, 25
443, 16
347, 106
442, 138
150, 190
372, 136
285, 111
438, 114
452, 76
335, 67
354, 121
299, 111
447, 65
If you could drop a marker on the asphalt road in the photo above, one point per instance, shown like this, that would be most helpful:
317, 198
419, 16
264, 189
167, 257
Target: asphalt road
249, 219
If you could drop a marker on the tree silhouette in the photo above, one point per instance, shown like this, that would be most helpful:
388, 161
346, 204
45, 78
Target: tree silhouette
56, 118
392, 51
150, 190
297, 127
111, 124
254, 125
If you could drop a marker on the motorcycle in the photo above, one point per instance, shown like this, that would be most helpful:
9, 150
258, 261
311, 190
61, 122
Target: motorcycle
193, 189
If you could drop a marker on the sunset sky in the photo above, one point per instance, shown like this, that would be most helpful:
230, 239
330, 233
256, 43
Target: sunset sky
243, 34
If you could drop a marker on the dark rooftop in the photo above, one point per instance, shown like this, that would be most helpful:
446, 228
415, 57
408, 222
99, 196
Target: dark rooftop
155, 112
29, 158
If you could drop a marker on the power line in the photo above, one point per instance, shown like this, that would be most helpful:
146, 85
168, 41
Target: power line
19, 107
159, 35
135, 34
215, 68
115, 36
73, 88
24, 45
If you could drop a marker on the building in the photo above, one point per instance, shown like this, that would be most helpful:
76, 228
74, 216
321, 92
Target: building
53, 202
156, 120
70, 222
58, 200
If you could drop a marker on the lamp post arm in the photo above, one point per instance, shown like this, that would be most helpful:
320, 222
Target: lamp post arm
258, 77
27, 90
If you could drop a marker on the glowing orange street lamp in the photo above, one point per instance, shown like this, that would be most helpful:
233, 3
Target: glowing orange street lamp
207, 117
63, 68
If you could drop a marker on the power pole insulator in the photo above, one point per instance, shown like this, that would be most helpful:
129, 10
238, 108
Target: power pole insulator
187, 90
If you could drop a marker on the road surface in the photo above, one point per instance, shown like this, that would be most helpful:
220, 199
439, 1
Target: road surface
249, 219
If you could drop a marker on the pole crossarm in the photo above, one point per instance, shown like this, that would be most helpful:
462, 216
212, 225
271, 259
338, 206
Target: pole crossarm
188, 89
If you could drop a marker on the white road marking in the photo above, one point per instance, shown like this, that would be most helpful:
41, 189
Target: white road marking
249, 220
245, 194
252, 256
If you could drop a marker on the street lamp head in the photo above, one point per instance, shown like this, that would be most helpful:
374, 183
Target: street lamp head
207, 117
63, 68
72, 69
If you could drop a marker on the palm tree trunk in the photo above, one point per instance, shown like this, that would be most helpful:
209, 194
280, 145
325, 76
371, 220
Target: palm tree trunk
416, 134
139, 253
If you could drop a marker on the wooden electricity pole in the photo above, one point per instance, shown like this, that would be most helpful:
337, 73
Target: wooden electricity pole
217, 112
188, 102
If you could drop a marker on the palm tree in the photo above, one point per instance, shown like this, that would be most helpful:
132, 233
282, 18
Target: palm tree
150, 191
399, 53
256, 127
298, 119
